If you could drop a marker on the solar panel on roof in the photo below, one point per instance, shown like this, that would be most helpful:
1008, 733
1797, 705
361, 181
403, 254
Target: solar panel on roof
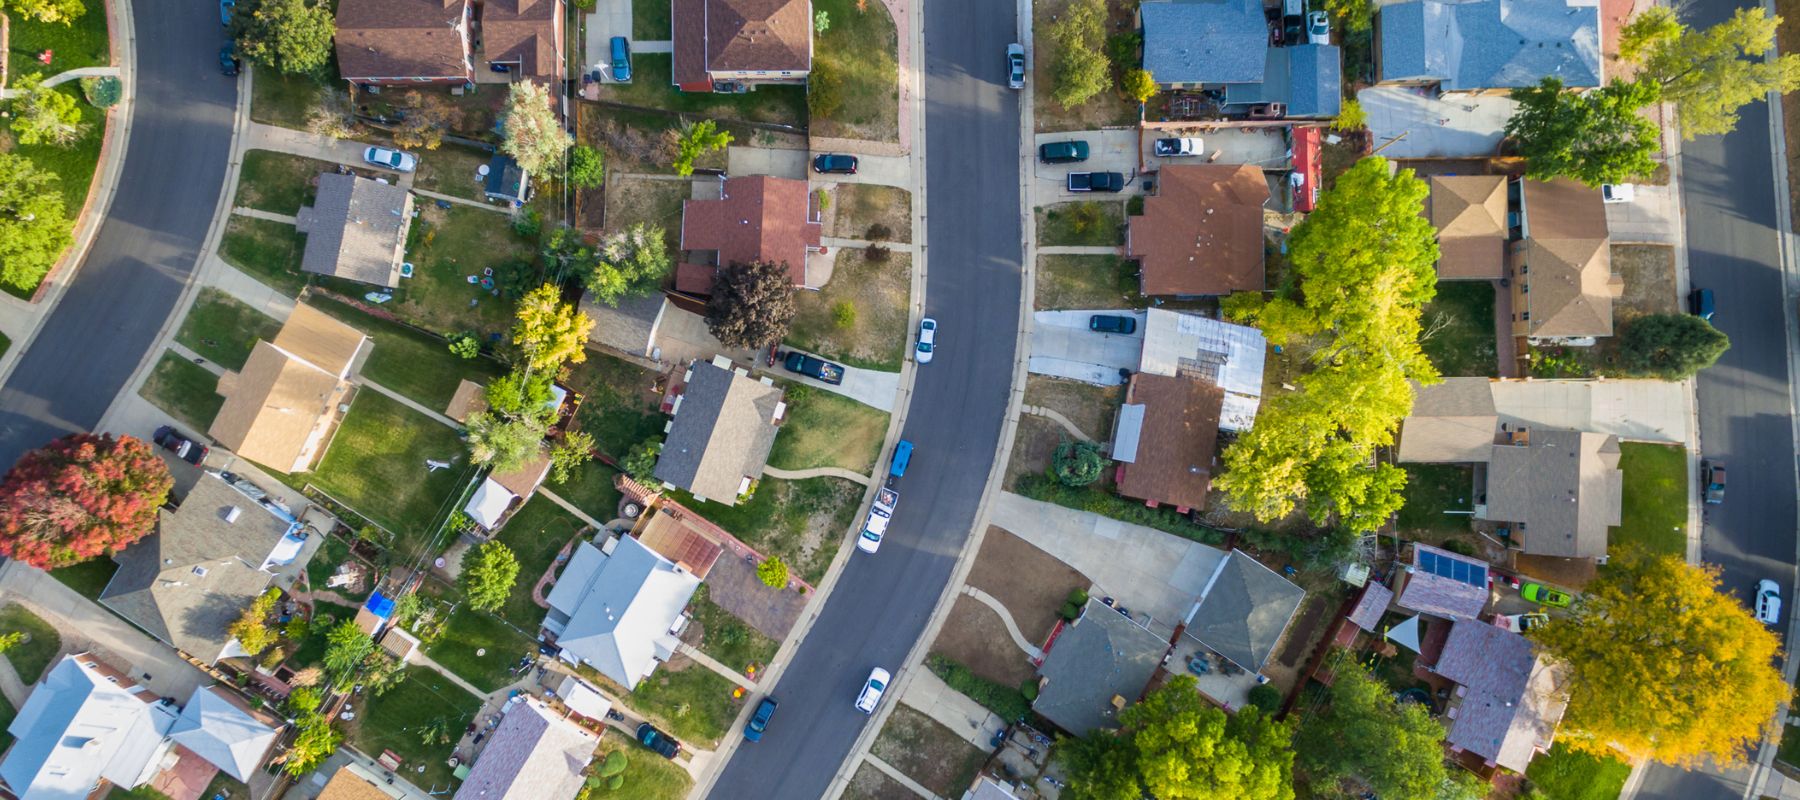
1428, 561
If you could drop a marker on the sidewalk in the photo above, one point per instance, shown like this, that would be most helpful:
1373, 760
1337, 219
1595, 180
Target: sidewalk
930, 695
84, 625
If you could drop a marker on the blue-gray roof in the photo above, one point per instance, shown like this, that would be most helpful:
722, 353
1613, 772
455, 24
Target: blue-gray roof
1307, 78
1213, 41
1490, 44
620, 608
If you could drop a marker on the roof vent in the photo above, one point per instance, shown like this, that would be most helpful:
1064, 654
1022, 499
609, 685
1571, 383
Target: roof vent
232, 515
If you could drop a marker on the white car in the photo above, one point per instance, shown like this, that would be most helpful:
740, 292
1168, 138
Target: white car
870, 696
388, 158
1318, 28
927, 340
1179, 146
1617, 192
875, 527
1768, 602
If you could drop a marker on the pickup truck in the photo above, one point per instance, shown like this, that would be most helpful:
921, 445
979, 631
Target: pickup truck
1096, 182
821, 369
875, 526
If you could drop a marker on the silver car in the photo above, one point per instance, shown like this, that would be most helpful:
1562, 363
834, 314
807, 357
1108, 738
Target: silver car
389, 158
1015, 66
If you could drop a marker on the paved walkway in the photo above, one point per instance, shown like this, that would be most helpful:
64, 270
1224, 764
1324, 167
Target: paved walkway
271, 216
450, 198
258, 136
1012, 628
1057, 417
12, 686
1078, 250
570, 507
817, 472
859, 244
713, 664
954, 710
418, 657
70, 75
914, 786
84, 625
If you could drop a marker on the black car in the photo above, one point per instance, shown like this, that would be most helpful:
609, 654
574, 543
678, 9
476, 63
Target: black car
657, 741
803, 364
228, 61
184, 448
835, 163
1069, 152
1112, 323
1096, 182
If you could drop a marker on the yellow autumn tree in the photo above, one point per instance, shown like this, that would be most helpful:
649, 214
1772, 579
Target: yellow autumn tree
1665, 666
548, 331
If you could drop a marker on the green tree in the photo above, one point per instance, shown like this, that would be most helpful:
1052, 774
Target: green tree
1351, 117
1353, 16
520, 393
533, 134
252, 629
587, 166
43, 115
773, 572
640, 463
1080, 68
549, 332
1077, 463
1594, 137
1100, 766
1188, 749
504, 444
489, 572
465, 345
821, 22
314, 742
102, 92
55, 12
345, 647
633, 261
1670, 347
614, 763
1709, 74
1139, 85
695, 140
422, 123
575, 449
752, 305
305, 699
34, 228
10, 640
291, 36
1364, 738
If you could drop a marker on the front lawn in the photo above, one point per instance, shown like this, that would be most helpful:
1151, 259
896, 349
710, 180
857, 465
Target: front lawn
535, 533
1460, 322
397, 721
1432, 489
694, 704
279, 183
650, 23
37, 649
277, 98
860, 317
1107, 108
725, 637
923, 749
620, 406
1084, 223
1065, 282
266, 250
859, 50
446, 248
376, 465
481, 648
184, 389
413, 363
73, 164
88, 578
1100, 499
824, 429
1655, 499
224, 330
81, 43
801, 521
651, 87
1565, 774
451, 169
861, 210
647, 775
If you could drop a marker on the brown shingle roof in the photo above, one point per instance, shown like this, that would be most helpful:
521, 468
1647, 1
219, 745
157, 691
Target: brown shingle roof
1469, 212
524, 32
741, 36
280, 406
1174, 459
681, 536
356, 229
1564, 266
347, 785
469, 398
1201, 233
1512, 698
403, 39
758, 218
524, 481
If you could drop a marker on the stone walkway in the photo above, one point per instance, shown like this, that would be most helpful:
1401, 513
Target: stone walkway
1056, 416
1012, 628
817, 472
271, 216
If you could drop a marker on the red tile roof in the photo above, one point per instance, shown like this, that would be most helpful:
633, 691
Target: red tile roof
1202, 232
399, 40
758, 218
1174, 461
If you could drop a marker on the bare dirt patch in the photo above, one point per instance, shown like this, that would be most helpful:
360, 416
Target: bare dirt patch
1031, 583
1090, 407
927, 752
1649, 274
632, 199
857, 207
975, 637
1034, 442
870, 783
1084, 281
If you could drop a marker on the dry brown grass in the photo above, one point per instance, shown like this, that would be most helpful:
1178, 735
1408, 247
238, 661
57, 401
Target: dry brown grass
1034, 442
855, 207
1090, 407
1031, 583
1107, 108
632, 199
1649, 273
927, 752
879, 291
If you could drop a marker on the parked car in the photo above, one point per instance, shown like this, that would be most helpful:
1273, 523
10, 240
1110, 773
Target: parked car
1179, 146
225, 9
1318, 28
1617, 192
1112, 323
657, 741
178, 443
876, 524
388, 158
835, 163
1700, 303
621, 59
1096, 182
803, 364
870, 696
1712, 477
759, 721
927, 340
1520, 623
1544, 595
1768, 602
228, 60
1069, 152
1015, 66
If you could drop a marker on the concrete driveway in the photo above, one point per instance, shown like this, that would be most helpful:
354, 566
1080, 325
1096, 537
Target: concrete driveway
1063, 347
867, 386
1652, 217
1264, 147
608, 19
880, 170
1108, 151
1432, 126
777, 161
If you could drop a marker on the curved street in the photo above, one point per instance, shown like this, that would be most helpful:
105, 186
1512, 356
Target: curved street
150, 241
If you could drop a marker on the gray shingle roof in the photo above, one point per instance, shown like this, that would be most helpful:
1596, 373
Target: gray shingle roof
722, 433
1451, 422
1307, 78
1490, 44
1101, 656
1212, 41
356, 229
1511, 700
630, 326
535, 753
1244, 610
1564, 488
619, 609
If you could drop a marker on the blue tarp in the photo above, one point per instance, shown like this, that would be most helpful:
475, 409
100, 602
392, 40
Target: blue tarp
380, 605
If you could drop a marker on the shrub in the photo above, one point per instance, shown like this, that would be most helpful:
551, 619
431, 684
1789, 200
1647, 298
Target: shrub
843, 314
824, 89
1029, 688
1088, 498
1078, 463
587, 166
1670, 347
823, 198
1069, 611
879, 233
1007, 701
1135, 205
103, 92
773, 572
876, 254
1351, 117
1086, 216
1078, 597
529, 224
465, 345
614, 764
1265, 697
613, 783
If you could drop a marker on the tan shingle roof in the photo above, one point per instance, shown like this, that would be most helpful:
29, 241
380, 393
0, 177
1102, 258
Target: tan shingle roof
1564, 488
280, 406
1564, 266
356, 229
1469, 212
399, 39
1451, 423
723, 431
1202, 232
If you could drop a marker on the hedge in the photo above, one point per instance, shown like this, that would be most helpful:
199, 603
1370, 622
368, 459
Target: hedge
1007, 701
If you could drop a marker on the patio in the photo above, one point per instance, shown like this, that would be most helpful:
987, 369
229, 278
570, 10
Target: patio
1410, 123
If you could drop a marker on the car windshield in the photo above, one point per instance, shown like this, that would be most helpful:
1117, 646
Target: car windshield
924, 347
875, 683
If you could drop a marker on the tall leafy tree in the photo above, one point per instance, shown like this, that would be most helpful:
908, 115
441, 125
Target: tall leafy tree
314, 742
695, 140
61, 12
1671, 347
1363, 737
43, 115
752, 305
292, 36
81, 496
34, 226
1080, 68
1709, 74
1354, 16
422, 127
632, 261
549, 332
1595, 137
1101, 767
1176, 746
532, 133
1664, 665
575, 449
345, 648
489, 572
252, 629
504, 443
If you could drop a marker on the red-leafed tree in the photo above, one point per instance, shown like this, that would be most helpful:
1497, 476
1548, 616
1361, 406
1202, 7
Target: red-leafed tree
79, 497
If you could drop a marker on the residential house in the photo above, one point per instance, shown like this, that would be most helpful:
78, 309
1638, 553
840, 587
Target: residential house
1452, 422
1443, 584
756, 218
208, 559
1471, 215
1201, 232
1508, 699
723, 429
84, 724
731, 45
219, 727
356, 230
404, 42
525, 37
1488, 46
534, 753
1557, 491
502, 492
1563, 285
619, 609
1098, 665
1371, 606
629, 327
356, 782
1183, 345
1224, 46
1244, 610
506, 181
1165, 439
283, 406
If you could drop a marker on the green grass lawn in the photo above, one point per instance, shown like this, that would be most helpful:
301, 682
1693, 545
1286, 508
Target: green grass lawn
7, 712
535, 533
324, 564
618, 408
878, 291
376, 465
828, 430
74, 164
267, 251
649, 22
278, 182
469, 632
34, 654
408, 361
590, 488
1788, 750
1655, 499
450, 170
396, 721
1563, 774
726, 638
1087, 282
448, 247
1462, 317
184, 389
859, 49
88, 578
81, 43
648, 776
651, 87
280, 99
693, 704
311, 650
1092, 223
224, 330
1432, 489
775, 521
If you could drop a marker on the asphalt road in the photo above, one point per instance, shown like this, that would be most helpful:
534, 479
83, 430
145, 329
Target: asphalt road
150, 241
882, 602
1744, 400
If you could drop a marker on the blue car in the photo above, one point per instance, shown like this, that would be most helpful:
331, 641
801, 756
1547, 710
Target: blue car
621, 59
225, 7
759, 722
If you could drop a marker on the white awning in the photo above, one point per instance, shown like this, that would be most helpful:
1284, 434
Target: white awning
489, 503
1406, 634
582, 698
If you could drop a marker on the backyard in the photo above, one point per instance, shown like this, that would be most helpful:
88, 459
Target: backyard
376, 465
37, 647
279, 183
184, 389
1459, 325
857, 209
856, 54
536, 533
1081, 281
927, 752
652, 87
224, 330
446, 249
860, 317
480, 647
451, 169
1565, 774
1655, 499
635, 199
399, 720
640, 141
590, 488
801, 521
411, 362
1431, 490
1085, 223
266, 250
824, 429
620, 405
